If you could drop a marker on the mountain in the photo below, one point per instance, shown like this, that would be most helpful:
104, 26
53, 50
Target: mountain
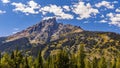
44, 32
50, 37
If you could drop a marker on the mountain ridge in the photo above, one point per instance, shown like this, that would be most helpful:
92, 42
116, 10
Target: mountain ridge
50, 27
50, 37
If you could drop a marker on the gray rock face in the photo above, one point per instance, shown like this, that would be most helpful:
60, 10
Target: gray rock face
45, 31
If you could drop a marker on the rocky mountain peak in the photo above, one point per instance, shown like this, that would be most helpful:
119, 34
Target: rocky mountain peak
50, 20
45, 31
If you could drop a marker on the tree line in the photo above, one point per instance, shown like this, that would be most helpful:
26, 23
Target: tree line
61, 60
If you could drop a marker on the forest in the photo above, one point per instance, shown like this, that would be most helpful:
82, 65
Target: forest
62, 59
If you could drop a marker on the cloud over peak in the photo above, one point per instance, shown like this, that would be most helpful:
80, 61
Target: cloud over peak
84, 10
57, 11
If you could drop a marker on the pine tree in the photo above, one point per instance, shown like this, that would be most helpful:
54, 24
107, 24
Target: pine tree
118, 62
5, 61
62, 60
30, 61
81, 57
88, 64
102, 63
39, 61
17, 58
12, 55
26, 65
50, 62
73, 61
114, 63
95, 63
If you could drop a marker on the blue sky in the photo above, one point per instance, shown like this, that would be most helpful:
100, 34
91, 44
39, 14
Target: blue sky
93, 15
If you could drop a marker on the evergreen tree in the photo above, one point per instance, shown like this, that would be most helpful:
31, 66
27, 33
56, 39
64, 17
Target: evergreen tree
51, 62
73, 61
5, 61
95, 63
118, 62
62, 60
17, 58
30, 61
12, 55
81, 57
39, 61
88, 64
26, 65
114, 63
102, 63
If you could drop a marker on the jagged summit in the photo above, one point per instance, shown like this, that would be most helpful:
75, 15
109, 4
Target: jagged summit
45, 31
50, 19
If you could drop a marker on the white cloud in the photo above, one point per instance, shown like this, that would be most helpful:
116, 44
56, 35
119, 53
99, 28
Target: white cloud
34, 8
67, 8
2, 12
117, 10
57, 11
33, 5
84, 11
114, 19
29, 8
5, 1
45, 18
103, 21
106, 4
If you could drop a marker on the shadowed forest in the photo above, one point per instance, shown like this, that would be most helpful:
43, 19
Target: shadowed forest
62, 59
